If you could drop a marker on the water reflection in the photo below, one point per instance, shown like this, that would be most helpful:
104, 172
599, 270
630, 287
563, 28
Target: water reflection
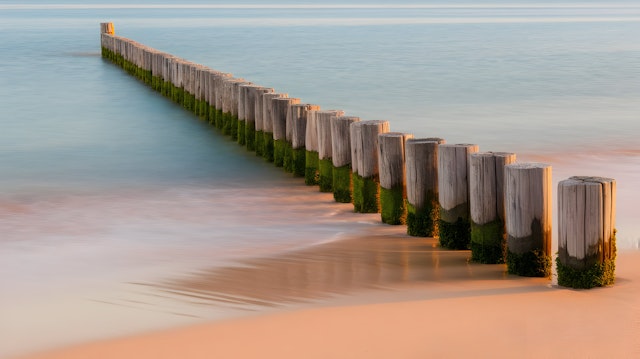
371, 262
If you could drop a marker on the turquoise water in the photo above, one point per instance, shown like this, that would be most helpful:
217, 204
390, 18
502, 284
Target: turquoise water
104, 181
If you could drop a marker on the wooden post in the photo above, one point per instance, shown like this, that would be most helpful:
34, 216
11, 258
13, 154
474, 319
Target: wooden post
230, 106
392, 177
107, 28
325, 163
311, 175
366, 185
453, 195
266, 130
253, 112
486, 198
341, 157
586, 232
279, 110
219, 83
243, 93
297, 117
528, 219
423, 212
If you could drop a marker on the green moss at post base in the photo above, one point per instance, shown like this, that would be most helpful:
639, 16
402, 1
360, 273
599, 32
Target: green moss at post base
204, 110
219, 120
594, 274
488, 242
267, 149
366, 195
187, 101
325, 170
342, 184
178, 94
242, 133
196, 107
311, 175
250, 136
299, 161
356, 191
423, 222
288, 157
279, 147
226, 124
392, 205
233, 127
454, 235
259, 142
211, 115
529, 264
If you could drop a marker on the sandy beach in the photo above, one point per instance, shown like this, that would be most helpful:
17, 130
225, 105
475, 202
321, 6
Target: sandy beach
406, 299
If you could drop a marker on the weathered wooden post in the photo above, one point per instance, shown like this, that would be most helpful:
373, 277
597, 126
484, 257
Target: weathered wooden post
528, 219
200, 102
107, 28
311, 175
586, 232
453, 195
423, 212
366, 185
253, 97
230, 107
325, 162
219, 84
243, 92
486, 198
279, 110
297, 119
266, 126
392, 177
355, 137
341, 157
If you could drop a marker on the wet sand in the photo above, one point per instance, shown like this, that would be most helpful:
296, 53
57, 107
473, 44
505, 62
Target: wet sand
388, 295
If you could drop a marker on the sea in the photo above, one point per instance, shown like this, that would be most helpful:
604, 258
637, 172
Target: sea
105, 184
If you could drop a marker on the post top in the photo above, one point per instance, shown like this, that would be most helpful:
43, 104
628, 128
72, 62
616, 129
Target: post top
469, 145
437, 140
308, 106
394, 134
528, 165
374, 122
587, 179
346, 118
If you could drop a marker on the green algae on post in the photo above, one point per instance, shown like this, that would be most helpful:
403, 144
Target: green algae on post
342, 157
423, 211
279, 109
325, 147
453, 195
325, 175
392, 205
423, 222
488, 242
486, 193
528, 219
311, 174
391, 156
342, 186
365, 140
586, 232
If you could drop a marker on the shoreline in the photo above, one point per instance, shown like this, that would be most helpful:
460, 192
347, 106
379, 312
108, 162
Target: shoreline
344, 299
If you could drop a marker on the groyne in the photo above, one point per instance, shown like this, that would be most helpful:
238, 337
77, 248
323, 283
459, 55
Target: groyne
485, 202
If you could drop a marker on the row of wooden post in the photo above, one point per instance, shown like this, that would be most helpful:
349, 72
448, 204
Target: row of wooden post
482, 201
